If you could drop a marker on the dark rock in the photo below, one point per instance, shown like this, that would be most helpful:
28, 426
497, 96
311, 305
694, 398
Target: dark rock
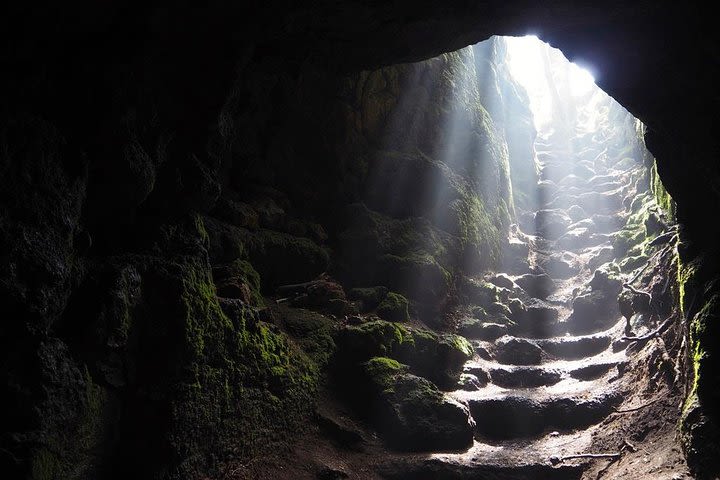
470, 382
524, 377
517, 351
238, 279
502, 280
394, 308
559, 265
601, 256
539, 286
518, 416
551, 224
436, 356
538, 319
236, 212
477, 329
369, 298
498, 308
412, 414
330, 473
592, 312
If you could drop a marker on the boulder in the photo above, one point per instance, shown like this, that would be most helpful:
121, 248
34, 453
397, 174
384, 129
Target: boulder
517, 351
411, 413
369, 297
394, 308
551, 224
540, 286
502, 280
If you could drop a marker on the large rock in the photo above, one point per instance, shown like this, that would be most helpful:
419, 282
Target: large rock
551, 224
539, 286
411, 413
517, 351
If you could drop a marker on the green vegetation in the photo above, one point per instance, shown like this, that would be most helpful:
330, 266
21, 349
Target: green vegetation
662, 197
394, 308
382, 371
369, 297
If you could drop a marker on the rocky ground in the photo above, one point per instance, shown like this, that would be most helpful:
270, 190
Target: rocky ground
576, 368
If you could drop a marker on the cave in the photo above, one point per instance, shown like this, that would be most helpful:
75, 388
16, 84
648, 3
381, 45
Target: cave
359, 240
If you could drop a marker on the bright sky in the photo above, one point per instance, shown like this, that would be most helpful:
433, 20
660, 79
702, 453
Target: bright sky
525, 61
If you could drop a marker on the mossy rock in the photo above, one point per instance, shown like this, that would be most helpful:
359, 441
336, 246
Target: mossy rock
417, 276
437, 356
313, 331
411, 413
369, 297
627, 239
394, 308
278, 257
480, 292
359, 343
631, 263
238, 279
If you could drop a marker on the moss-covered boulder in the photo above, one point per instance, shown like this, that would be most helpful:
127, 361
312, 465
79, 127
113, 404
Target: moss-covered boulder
238, 279
358, 343
311, 330
278, 257
436, 356
394, 308
411, 413
369, 297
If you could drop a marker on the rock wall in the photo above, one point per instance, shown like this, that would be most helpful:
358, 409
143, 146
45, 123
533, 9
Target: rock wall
138, 257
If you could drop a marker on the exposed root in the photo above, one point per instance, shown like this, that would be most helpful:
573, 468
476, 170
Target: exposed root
635, 409
650, 335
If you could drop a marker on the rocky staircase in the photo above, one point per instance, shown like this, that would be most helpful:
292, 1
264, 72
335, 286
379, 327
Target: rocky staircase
539, 383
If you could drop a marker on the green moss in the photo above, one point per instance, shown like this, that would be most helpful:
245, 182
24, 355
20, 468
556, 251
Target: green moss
698, 336
479, 234
437, 356
239, 279
394, 308
235, 374
662, 197
632, 262
314, 332
369, 297
281, 258
626, 239
382, 371
416, 275
371, 339
200, 228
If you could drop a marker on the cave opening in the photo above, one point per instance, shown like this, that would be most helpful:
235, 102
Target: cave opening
289, 253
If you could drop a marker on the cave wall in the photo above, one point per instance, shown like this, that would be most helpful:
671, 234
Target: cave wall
132, 135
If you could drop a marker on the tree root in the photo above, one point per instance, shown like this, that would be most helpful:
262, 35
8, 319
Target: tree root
635, 409
650, 335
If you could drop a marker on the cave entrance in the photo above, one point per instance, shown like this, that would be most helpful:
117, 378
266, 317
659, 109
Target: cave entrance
585, 277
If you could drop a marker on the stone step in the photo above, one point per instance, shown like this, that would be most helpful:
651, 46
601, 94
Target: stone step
549, 372
567, 405
574, 348
508, 460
